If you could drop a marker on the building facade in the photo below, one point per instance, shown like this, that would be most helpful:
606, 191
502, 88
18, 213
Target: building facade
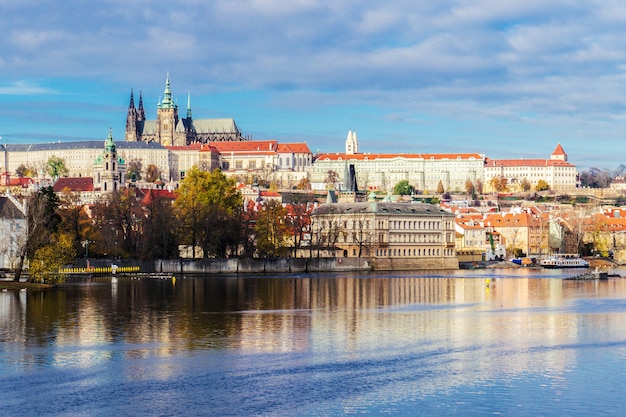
13, 231
383, 171
168, 129
557, 172
396, 236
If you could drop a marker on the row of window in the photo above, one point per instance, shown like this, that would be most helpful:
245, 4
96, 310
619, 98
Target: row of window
406, 252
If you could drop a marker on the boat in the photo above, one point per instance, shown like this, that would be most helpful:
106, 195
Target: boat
564, 261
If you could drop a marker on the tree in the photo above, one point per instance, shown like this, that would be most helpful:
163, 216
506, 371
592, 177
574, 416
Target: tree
153, 174
479, 186
43, 221
133, 170
271, 229
159, 238
331, 179
49, 258
440, 189
74, 220
21, 171
526, 185
403, 188
542, 186
209, 207
499, 184
299, 222
470, 189
304, 184
55, 167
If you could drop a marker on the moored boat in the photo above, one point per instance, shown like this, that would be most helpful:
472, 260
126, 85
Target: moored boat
564, 261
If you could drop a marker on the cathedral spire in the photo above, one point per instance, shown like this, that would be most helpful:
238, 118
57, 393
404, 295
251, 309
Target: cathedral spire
167, 102
188, 105
140, 110
132, 100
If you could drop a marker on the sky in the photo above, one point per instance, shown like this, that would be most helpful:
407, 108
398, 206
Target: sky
509, 79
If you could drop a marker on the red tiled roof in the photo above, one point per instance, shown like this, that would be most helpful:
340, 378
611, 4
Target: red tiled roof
507, 163
74, 184
559, 150
293, 148
423, 156
263, 146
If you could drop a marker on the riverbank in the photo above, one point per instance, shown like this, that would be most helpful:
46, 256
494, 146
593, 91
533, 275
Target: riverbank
22, 285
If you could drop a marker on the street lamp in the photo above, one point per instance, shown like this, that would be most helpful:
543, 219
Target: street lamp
85, 243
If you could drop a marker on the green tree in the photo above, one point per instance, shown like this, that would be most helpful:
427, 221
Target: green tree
55, 167
542, 186
209, 207
403, 188
271, 230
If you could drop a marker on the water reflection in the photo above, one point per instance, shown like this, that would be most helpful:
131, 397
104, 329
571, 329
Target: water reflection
394, 338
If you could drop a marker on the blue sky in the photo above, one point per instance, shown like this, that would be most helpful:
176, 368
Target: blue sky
509, 79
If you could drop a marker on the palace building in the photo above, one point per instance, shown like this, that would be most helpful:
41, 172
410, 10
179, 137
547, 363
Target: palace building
171, 130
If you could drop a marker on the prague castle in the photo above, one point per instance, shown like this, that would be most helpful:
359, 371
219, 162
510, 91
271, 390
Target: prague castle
170, 130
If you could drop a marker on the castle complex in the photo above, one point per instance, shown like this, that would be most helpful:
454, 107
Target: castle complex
170, 130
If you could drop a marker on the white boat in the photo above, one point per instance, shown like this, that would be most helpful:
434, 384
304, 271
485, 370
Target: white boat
564, 261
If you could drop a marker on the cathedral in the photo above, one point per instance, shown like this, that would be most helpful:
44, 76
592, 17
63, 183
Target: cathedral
170, 130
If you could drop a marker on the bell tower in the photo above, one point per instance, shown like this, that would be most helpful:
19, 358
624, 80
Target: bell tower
167, 117
110, 168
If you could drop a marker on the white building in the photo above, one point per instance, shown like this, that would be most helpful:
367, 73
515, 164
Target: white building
557, 172
13, 231
383, 171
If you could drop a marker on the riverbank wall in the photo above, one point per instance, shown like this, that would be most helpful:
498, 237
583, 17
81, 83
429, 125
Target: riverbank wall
235, 265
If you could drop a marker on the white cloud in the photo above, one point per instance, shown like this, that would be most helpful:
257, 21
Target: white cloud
19, 88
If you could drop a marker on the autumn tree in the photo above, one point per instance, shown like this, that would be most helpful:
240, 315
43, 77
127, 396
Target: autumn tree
525, 185
119, 222
159, 239
43, 221
499, 184
299, 222
304, 184
542, 185
208, 207
133, 170
331, 179
470, 189
440, 189
74, 220
50, 257
153, 174
271, 230
21, 171
55, 167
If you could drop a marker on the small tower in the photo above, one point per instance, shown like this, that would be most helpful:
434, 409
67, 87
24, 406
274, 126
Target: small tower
167, 117
111, 168
352, 144
559, 154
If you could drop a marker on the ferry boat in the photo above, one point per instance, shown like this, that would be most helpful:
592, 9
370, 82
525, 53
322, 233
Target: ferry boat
564, 261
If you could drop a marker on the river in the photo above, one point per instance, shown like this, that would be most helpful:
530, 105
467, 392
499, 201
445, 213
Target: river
463, 343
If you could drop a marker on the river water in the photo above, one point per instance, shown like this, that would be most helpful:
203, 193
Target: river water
506, 342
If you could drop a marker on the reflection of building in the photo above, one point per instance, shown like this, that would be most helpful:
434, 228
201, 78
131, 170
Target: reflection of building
384, 171
170, 130
395, 235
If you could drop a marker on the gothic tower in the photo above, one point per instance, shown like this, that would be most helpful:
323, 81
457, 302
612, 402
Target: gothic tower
167, 117
131, 120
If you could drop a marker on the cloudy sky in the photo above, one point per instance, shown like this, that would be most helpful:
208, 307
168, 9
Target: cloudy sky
510, 79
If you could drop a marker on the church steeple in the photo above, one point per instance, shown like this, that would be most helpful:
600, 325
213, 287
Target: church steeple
131, 120
167, 102
140, 111
132, 100
188, 105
